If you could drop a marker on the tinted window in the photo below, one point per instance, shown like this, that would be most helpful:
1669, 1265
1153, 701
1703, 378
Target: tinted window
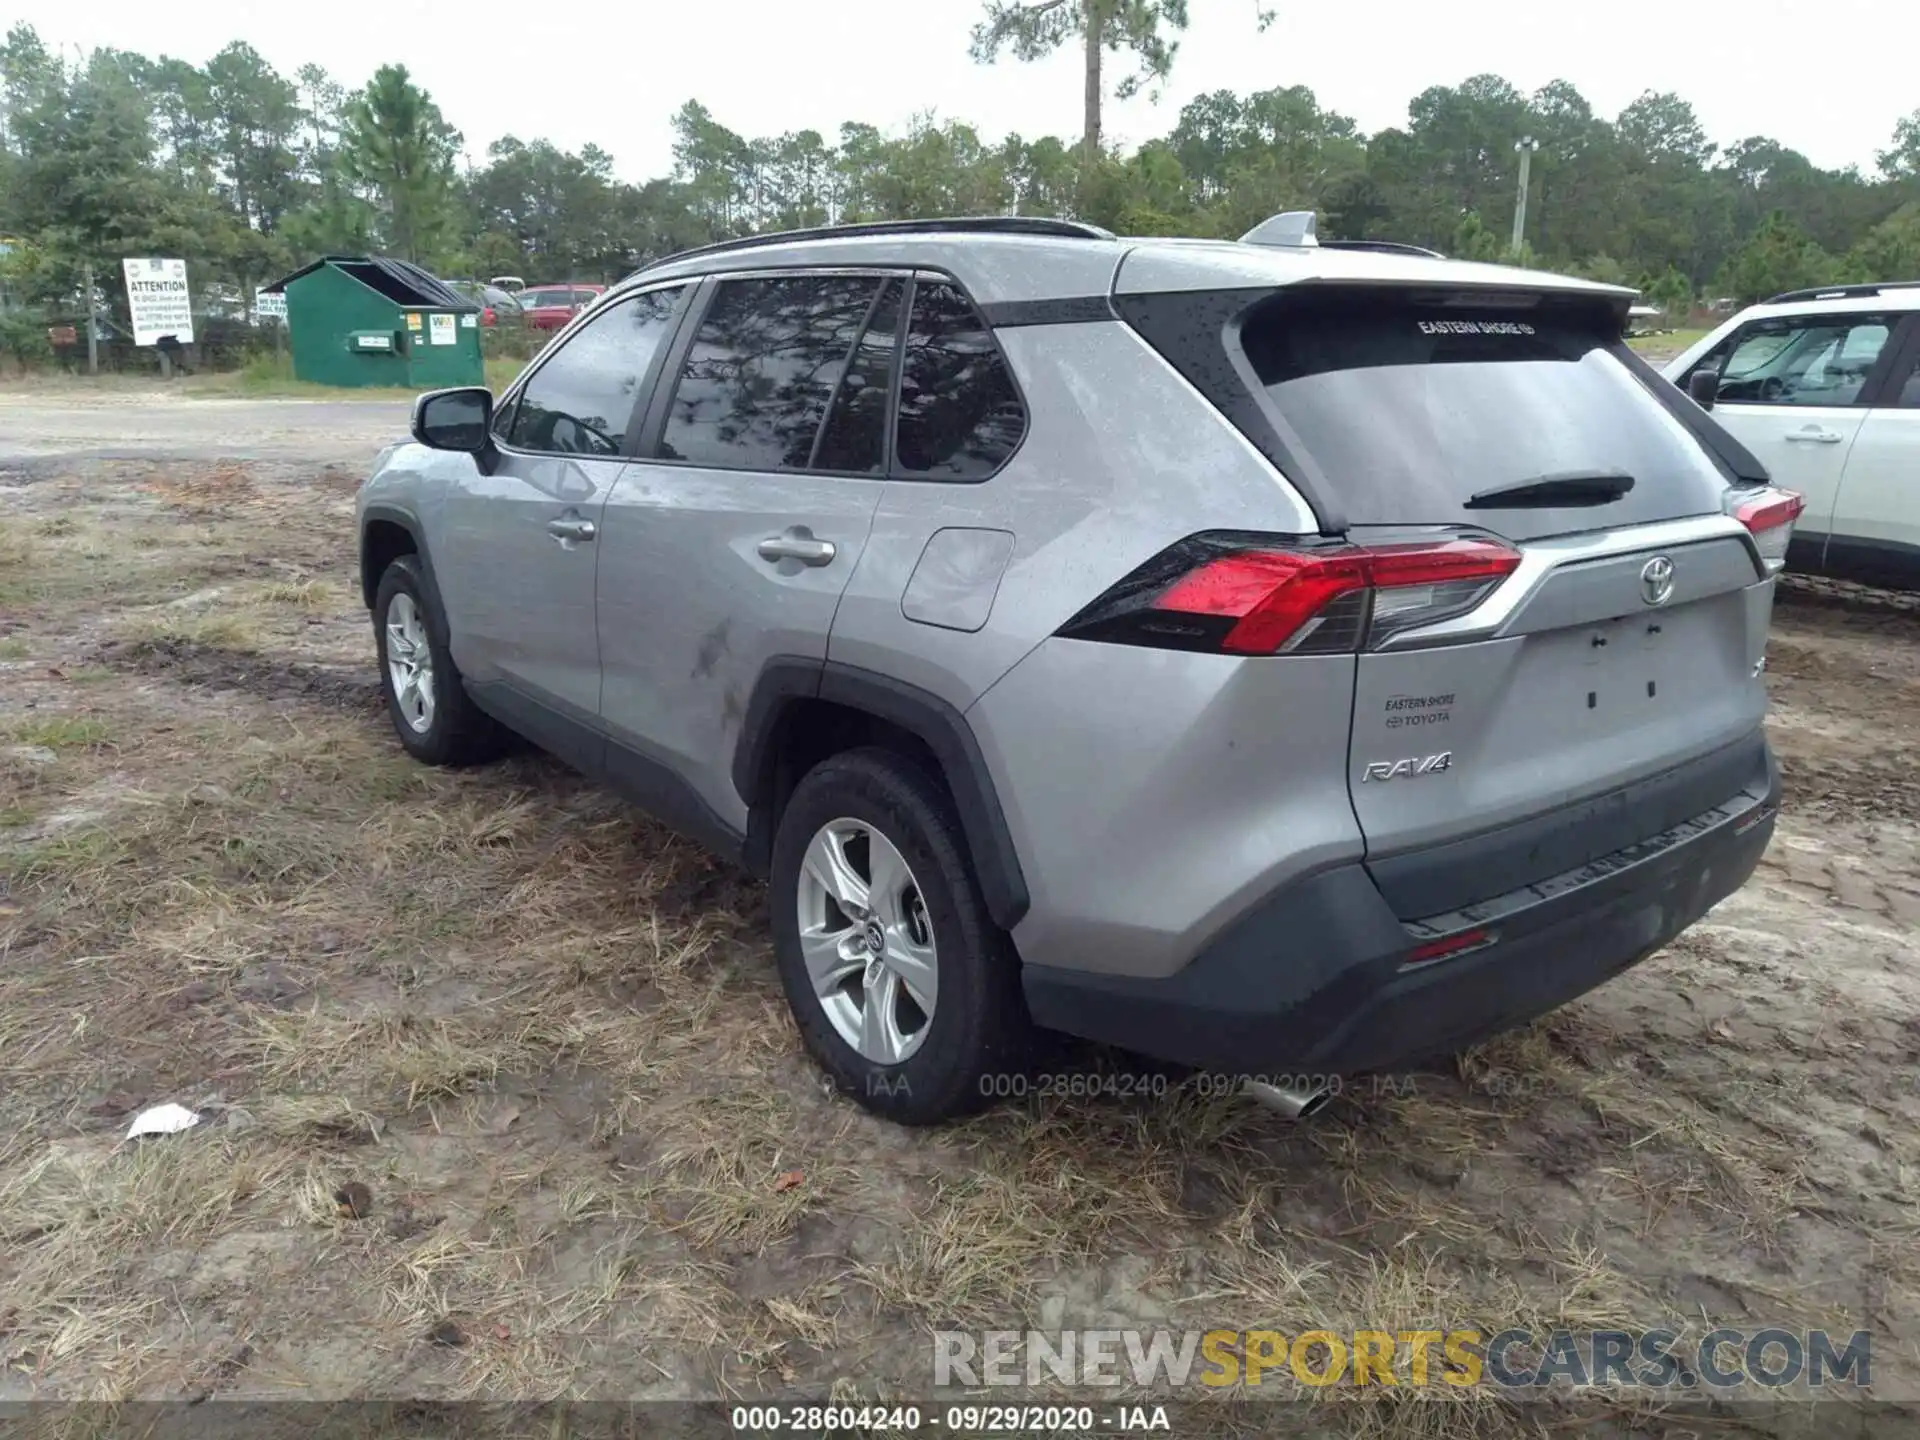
1410, 411
763, 367
533, 299
854, 437
581, 401
1807, 360
960, 416
1909, 396
584, 298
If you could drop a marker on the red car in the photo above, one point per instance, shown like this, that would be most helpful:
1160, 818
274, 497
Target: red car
548, 307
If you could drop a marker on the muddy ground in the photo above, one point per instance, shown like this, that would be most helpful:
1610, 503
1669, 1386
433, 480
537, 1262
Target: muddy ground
546, 1040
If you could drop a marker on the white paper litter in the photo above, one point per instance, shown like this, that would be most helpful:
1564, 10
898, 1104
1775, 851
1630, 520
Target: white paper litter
162, 1120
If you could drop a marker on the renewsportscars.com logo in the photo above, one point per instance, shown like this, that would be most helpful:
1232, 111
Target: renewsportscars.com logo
1516, 1359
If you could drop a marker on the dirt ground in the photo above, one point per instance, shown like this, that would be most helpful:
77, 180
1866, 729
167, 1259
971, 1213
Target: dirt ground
546, 1040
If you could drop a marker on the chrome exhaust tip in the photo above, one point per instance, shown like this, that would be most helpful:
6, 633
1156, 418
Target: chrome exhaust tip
1293, 1102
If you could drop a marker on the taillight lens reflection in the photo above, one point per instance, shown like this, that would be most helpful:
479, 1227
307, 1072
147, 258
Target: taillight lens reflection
1769, 515
1252, 598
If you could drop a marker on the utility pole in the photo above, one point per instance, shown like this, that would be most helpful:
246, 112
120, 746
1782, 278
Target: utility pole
1525, 145
93, 338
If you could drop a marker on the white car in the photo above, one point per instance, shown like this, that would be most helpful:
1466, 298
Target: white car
1823, 386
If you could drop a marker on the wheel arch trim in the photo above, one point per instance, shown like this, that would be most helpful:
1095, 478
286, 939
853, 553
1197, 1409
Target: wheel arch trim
788, 681
406, 520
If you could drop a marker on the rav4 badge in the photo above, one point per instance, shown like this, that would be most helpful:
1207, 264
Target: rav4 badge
1414, 766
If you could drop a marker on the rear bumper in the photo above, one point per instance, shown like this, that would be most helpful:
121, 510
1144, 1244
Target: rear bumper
1317, 977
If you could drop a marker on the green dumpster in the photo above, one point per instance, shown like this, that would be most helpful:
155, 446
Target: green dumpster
369, 320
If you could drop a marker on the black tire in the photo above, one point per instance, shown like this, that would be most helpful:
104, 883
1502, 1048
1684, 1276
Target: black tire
460, 733
979, 1032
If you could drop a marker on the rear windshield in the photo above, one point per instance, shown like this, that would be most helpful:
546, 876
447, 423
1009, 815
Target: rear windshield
1409, 411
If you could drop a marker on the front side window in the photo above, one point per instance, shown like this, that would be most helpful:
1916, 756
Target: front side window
1803, 360
583, 399
763, 368
960, 415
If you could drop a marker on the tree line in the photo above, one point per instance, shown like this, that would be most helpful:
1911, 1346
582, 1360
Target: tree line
248, 172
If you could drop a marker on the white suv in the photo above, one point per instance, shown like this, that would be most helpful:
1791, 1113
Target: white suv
1823, 386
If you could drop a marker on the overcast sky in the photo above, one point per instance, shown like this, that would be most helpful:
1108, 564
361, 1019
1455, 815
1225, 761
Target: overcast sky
614, 71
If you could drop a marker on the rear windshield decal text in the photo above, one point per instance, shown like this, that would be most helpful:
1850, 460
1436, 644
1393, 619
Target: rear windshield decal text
1475, 327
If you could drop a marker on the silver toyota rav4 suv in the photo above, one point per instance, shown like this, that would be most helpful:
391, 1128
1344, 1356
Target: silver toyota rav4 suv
1264, 656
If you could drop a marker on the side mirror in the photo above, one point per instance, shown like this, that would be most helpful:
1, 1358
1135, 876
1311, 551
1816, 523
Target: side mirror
455, 420
1704, 387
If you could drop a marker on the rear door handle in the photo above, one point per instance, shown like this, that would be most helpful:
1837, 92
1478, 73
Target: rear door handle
569, 529
797, 544
1815, 437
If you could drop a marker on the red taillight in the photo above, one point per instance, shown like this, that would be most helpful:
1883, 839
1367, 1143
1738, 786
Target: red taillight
1242, 597
486, 316
1270, 596
1768, 515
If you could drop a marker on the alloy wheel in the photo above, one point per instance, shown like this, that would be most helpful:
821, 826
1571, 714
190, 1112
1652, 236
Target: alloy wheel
867, 941
410, 663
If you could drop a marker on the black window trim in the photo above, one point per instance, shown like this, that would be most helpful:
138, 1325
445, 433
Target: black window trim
1904, 344
509, 403
1872, 390
1191, 329
846, 369
665, 381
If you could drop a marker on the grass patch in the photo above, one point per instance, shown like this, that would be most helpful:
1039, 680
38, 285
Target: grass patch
60, 732
300, 594
12, 647
224, 630
1671, 343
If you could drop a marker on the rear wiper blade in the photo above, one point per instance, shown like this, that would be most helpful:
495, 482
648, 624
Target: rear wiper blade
1577, 487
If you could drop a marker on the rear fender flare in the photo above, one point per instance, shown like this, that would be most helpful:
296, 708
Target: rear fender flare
786, 682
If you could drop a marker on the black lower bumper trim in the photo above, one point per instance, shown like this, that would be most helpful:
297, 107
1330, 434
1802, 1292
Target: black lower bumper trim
1316, 977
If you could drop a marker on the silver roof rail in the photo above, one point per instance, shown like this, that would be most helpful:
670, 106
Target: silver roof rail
1291, 229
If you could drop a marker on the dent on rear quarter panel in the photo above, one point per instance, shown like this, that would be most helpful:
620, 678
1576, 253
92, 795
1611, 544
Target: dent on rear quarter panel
1157, 795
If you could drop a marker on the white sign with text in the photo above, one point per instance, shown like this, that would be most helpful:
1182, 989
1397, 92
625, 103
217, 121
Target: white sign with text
157, 296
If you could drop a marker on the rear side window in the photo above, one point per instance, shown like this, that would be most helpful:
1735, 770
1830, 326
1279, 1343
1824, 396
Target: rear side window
762, 369
960, 415
1410, 411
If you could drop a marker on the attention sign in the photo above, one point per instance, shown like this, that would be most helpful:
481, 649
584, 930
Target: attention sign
157, 296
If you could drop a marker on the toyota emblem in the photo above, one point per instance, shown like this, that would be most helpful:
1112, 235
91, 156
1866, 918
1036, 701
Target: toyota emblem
1656, 580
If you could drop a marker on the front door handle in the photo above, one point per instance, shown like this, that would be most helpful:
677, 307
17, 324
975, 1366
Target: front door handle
797, 544
1813, 436
570, 530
